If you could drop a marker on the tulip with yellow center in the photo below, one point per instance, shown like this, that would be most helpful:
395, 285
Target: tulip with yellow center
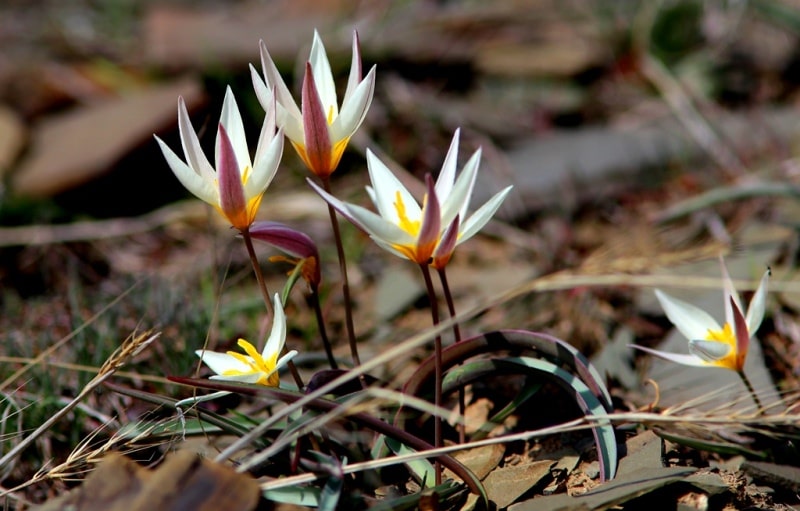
320, 130
253, 367
427, 233
235, 185
712, 345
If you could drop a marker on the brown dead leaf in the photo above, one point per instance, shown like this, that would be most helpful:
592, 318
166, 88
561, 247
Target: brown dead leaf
505, 485
183, 481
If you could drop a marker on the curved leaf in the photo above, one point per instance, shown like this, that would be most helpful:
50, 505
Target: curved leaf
604, 436
555, 350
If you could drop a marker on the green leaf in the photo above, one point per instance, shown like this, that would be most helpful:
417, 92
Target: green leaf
423, 470
296, 495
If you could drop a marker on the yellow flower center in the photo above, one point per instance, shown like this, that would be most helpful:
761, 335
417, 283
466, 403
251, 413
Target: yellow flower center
414, 252
725, 336
330, 115
410, 226
256, 363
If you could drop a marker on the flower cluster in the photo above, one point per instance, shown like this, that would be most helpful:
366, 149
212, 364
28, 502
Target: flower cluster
319, 130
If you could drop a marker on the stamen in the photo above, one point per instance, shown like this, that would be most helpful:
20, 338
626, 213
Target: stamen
725, 335
410, 226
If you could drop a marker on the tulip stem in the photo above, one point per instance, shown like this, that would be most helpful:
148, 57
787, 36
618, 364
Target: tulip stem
262, 285
439, 375
323, 333
752, 390
451, 308
348, 311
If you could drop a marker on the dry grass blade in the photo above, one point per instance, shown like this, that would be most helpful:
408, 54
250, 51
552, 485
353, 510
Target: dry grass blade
131, 347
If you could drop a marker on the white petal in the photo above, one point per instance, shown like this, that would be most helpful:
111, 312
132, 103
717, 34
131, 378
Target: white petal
687, 360
277, 336
191, 145
755, 311
221, 362
241, 378
447, 176
266, 166
377, 227
323, 77
354, 78
389, 248
691, 321
274, 80
386, 187
709, 351
285, 359
457, 203
189, 178
729, 292
262, 90
340, 206
478, 219
354, 109
232, 120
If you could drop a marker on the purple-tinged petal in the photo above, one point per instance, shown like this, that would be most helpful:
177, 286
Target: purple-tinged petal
742, 335
232, 202
283, 237
678, 358
444, 251
315, 125
431, 224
